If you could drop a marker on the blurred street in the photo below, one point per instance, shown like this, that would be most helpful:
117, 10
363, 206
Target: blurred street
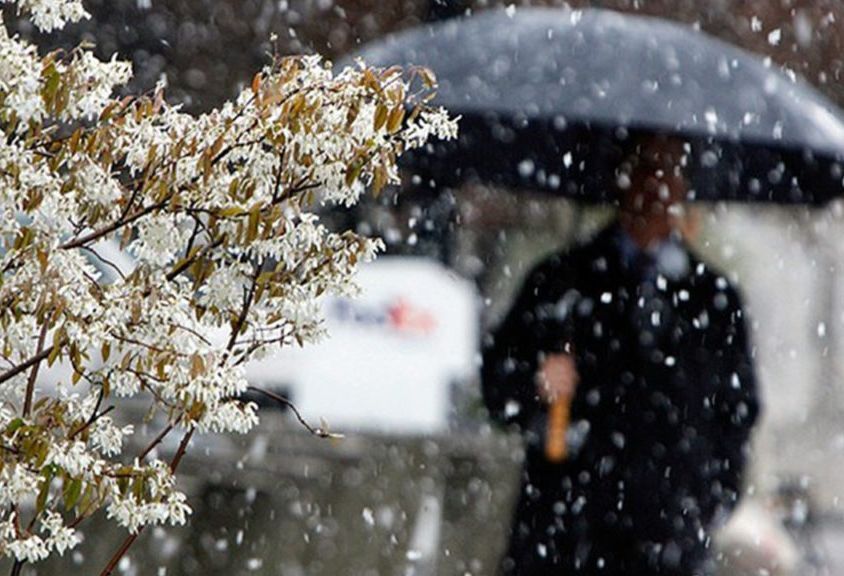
284, 503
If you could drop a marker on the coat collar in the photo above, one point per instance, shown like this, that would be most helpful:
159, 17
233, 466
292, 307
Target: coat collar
615, 250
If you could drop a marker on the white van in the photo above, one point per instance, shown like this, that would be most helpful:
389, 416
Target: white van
393, 356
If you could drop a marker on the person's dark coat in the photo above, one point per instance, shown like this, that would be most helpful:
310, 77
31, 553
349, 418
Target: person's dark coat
660, 420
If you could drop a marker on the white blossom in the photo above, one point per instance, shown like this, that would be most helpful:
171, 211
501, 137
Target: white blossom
152, 253
230, 417
49, 15
95, 82
73, 457
167, 504
61, 537
17, 484
20, 77
30, 549
107, 438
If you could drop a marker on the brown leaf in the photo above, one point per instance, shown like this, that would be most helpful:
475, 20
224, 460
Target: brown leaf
394, 121
379, 180
381, 114
428, 77
197, 366
256, 87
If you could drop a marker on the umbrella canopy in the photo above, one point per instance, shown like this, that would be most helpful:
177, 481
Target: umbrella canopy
548, 98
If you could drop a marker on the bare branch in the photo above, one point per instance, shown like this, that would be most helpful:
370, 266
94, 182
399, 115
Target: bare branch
189, 261
115, 559
105, 230
105, 261
30, 385
156, 441
286, 402
94, 415
244, 312
190, 330
180, 451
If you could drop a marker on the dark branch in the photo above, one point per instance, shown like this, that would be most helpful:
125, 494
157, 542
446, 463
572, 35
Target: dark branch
156, 441
30, 384
105, 230
22, 367
285, 402
105, 261
95, 415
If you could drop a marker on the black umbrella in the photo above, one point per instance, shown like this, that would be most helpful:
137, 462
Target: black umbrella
548, 97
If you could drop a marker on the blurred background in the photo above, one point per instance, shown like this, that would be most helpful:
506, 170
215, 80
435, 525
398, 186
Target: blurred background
423, 484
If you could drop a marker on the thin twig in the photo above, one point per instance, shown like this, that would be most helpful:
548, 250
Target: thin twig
194, 234
256, 345
94, 415
244, 312
30, 385
190, 330
105, 230
156, 441
130, 202
180, 452
146, 345
82, 514
105, 261
127, 543
284, 401
189, 261
92, 420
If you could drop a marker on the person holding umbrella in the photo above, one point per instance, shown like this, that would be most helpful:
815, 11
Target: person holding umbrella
630, 339
645, 347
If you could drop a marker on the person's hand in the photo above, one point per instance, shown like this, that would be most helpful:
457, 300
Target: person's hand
557, 377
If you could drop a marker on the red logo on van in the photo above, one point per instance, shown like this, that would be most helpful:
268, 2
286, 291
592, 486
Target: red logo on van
400, 315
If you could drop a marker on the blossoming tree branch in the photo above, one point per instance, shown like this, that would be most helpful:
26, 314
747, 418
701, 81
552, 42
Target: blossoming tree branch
229, 261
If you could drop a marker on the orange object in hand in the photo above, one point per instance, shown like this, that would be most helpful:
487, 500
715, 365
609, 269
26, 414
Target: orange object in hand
557, 381
558, 423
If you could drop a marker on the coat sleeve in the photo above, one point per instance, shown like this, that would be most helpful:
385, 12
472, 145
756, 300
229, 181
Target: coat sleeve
737, 405
511, 352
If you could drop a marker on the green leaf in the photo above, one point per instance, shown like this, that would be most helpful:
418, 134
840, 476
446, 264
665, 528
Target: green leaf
85, 502
44, 492
54, 354
138, 488
253, 222
41, 453
232, 211
41, 501
72, 491
51, 86
428, 77
352, 173
13, 426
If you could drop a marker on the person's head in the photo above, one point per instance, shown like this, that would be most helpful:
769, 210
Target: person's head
652, 188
